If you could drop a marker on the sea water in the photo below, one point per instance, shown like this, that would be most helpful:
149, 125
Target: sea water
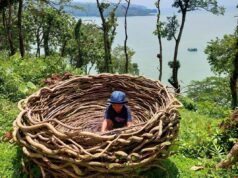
200, 28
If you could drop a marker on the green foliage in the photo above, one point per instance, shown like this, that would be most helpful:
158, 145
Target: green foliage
185, 164
213, 110
221, 54
161, 168
202, 143
119, 61
86, 47
176, 65
8, 113
171, 27
195, 134
20, 77
77, 29
188, 103
211, 95
228, 133
46, 26
161, 30
12, 162
191, 5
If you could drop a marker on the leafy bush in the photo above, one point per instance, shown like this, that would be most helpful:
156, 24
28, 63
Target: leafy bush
199, 136
8, 113
212, 109
20, 77
212, 96
228, 134
188, 103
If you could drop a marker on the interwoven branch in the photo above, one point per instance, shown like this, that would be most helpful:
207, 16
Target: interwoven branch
59, 127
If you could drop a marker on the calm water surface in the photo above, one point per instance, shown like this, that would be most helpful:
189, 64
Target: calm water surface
200, 28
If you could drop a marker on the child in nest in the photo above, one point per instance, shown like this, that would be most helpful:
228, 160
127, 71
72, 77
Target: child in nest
117, 114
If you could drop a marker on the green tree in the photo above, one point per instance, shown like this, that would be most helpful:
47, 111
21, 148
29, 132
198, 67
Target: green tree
109, 25
126, 35
85, 47
160, 34
119, 60
9, 29
174, 30
223, 59
19, 25
34, 23
47, 28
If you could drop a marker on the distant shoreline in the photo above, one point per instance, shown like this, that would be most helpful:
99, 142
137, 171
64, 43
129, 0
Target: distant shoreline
91, 10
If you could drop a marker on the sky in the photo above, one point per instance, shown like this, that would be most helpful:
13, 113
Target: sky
164, 3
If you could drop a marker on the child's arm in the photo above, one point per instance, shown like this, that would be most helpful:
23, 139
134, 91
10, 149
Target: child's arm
104, 125
129, 123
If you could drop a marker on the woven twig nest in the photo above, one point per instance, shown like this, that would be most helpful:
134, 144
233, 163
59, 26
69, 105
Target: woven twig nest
59, 127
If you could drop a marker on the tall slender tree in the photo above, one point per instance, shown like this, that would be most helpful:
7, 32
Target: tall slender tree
234, 76
159, 33
77, 35
19, 24
8, 27
126, 36
185, 6
223, 59
109, 31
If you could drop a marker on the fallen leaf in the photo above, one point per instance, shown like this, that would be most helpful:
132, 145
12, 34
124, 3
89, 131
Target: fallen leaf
196, 168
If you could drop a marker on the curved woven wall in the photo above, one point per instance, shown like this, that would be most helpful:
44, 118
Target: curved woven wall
59, 127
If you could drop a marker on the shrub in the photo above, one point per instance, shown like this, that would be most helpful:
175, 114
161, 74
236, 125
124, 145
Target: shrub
20, 77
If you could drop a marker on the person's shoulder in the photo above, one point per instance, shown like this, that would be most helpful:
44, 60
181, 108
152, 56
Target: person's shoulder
127, 108
109, 107
108, 111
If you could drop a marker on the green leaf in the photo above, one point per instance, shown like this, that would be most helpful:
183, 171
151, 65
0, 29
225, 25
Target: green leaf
23, 88
31, 85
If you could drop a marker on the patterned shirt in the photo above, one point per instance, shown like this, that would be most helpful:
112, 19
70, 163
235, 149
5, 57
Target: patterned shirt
118, 119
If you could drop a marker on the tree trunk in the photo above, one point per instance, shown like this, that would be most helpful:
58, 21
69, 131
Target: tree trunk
38, 42
233, 80
38, 37
63, 48
174, 81
46, 44
4, 25
9, 30
19, 24
107, 56
234, 76
79, 60
77, 34
160, 55
46, 36
126, 37
107, 27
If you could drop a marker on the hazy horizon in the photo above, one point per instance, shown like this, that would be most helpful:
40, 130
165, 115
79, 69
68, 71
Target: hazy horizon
166, 3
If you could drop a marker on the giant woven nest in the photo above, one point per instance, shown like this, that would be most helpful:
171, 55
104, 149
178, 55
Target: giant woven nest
59, 126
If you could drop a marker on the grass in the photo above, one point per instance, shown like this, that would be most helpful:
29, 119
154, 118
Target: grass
8, 113
10, 162
198, 132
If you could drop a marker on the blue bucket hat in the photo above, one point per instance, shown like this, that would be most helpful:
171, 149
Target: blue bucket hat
118, 97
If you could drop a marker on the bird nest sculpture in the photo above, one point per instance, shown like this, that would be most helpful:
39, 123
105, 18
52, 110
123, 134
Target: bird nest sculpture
59, 126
